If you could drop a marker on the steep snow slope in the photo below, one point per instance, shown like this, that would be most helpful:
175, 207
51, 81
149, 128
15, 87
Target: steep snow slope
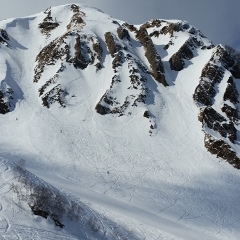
108, 113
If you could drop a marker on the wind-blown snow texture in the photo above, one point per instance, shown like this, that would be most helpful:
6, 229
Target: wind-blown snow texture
126, 132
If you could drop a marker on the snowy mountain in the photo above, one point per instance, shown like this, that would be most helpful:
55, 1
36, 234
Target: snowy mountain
116, 131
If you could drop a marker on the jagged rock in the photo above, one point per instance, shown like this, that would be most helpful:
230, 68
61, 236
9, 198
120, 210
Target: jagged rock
51, 81
171, 28
48, 24
118, 60
49, 55
56, 94
76, 21
185, 52
3, 105
152, 56
113, 47
154, 23
81, 58
101, 109
110, 104
123, 33
146, 114
98, 49
131, 27
227, 61
211, 75
218, 123
231, 113
231, 92
222, 150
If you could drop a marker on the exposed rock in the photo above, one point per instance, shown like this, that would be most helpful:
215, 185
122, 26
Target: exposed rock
4, 38
205, 91
222, 150
109, 104
131, 27
98, 49
185, 52
171, 28
218, 123
101, 109
118, 60
3, 105
231, 92
77, 21
48, 24
152, 56
146, 114
82, 52
154, 23
56, 94
231, 113
49, 55
51, 81
4, 34
113, 47
123, 33
227, 61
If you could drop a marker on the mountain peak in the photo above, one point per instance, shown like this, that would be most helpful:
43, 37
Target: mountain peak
137, 115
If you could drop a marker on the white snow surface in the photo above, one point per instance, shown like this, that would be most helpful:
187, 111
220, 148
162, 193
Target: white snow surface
163, 185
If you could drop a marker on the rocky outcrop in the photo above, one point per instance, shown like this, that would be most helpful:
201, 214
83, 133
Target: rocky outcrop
48, 23
56, 94
3, 104
213, 120
152, 56
77, 21
184, 53
171, 28
109, 103
221, 149
123, 33
113, 46
232, 113
4, 38
212, 74
231, 92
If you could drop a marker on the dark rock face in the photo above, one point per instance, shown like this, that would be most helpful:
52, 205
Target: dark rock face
77, 18
123, 33
231, 113
171, 28
152, 56
212, 75
48, 23
185, 52
113, 47
83, 56
4, 38
56, 94
3, 105
231, 92
218, 123
222, 150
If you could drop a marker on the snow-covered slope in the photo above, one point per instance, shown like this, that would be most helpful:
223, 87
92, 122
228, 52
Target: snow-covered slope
116, 131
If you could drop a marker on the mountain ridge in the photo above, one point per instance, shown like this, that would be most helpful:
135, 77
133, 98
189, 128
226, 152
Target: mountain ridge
140, 113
